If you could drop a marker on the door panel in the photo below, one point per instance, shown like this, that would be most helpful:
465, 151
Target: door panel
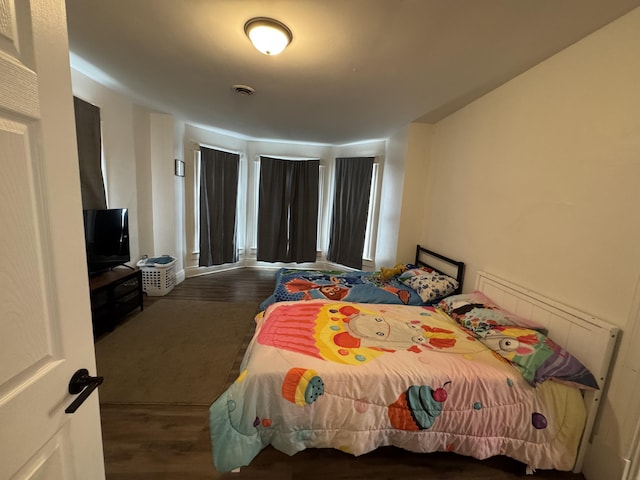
27, 322
45, 319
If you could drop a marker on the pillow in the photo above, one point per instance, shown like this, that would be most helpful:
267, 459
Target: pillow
537, 357
431, 286
478, 313
415, 271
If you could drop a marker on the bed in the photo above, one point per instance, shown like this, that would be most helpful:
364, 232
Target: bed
358, 376
431, 277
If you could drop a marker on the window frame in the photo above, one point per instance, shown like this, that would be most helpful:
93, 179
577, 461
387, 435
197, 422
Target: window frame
371, 230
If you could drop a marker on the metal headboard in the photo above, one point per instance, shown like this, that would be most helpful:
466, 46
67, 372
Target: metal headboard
456, 267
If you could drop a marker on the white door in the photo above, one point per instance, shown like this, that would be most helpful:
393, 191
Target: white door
45, 320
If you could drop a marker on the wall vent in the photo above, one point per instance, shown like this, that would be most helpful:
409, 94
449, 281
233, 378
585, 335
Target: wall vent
245, 90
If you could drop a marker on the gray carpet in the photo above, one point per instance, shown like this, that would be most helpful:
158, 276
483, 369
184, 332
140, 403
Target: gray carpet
174, 352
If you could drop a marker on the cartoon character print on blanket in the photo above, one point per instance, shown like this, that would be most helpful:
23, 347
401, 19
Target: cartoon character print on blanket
344, 333
324, 285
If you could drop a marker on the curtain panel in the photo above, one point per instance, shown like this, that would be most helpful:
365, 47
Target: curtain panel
218, 207
288, 210
350, 210
89, 140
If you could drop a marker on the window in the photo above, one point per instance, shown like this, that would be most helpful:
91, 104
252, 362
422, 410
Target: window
351, 207
322, 235
369, 250
288, 210
218, 201
248, 206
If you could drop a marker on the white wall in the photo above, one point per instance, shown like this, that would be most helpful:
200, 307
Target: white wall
179, 198
413, 208
538, 182
142, 133
163, 185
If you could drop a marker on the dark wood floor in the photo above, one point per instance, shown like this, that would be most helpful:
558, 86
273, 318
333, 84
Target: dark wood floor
144, 442
239, 285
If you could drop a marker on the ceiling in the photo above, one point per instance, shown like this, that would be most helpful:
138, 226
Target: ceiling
356, 70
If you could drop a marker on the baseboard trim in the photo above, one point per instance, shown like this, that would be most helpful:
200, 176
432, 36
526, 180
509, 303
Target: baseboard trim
180, 276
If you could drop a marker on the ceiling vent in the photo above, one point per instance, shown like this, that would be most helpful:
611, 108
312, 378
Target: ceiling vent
245, 90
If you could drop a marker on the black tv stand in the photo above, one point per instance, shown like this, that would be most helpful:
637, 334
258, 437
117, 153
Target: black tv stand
114, 294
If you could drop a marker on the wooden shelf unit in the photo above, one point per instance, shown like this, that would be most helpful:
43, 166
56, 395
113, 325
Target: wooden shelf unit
114, 294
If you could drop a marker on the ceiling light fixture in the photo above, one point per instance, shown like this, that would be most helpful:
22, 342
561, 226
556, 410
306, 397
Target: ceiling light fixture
269, 36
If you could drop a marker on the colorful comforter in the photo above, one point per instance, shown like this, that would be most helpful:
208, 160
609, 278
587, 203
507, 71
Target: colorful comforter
359, 376
354, 286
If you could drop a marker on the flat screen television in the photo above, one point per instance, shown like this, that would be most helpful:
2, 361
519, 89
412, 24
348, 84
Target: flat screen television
106, 235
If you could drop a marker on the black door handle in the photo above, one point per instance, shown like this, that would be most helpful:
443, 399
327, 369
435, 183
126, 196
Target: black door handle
83, 384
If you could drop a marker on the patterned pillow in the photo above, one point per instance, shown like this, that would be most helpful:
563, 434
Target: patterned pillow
415, 271
431, 286
537, 357
478, 313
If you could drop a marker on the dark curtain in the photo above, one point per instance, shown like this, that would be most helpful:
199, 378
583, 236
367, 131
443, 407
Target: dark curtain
288, 210
218, 206
350, 210
89, 142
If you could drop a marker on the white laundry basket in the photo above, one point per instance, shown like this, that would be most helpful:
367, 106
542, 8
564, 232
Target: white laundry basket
157, 278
